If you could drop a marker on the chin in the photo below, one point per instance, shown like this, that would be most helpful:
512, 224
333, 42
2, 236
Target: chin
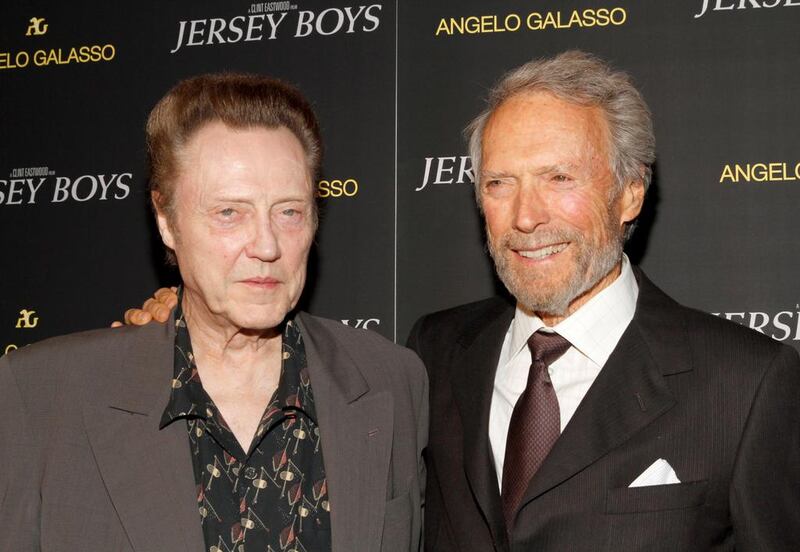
263, 321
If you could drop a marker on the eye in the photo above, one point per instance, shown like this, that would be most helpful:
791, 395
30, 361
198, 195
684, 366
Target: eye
291, 216
498, 187
227, 215
561, 178
491, 184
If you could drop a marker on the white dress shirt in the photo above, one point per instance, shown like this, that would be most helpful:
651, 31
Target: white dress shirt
593, 332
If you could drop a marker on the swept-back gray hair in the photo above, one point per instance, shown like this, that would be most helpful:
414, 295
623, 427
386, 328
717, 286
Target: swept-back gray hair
582, 79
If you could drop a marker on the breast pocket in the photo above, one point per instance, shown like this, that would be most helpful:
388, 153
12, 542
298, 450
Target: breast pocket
397, 524
656, 497
659, 517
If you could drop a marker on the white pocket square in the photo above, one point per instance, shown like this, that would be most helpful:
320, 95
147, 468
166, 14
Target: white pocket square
659, 473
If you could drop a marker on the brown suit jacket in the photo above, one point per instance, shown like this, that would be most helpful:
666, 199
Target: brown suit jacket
719, 402
83, 465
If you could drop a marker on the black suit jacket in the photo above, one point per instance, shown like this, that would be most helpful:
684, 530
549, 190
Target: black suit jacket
719, 402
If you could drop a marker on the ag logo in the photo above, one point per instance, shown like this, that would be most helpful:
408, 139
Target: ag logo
26, 319
37, 27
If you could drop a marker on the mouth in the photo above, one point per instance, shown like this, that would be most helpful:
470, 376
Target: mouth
261, 282
542, 252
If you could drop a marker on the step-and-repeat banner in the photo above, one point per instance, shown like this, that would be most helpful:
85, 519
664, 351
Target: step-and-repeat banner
394, 84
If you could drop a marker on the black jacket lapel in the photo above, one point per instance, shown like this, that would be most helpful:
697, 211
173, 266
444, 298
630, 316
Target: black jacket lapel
629, 393
473, 370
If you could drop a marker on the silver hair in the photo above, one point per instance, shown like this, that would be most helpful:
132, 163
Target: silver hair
582, 79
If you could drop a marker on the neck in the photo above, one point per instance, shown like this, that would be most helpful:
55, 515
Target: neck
222, 344
239, 368
550, 320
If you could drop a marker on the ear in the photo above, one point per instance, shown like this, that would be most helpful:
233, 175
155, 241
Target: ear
631, 201
164, 227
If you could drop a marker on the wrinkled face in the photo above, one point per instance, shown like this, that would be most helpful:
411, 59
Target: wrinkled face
554, 217
242, 226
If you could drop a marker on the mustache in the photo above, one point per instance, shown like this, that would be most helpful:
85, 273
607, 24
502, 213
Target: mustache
514, 239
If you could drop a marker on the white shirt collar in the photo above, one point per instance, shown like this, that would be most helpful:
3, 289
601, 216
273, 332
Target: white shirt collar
595, 328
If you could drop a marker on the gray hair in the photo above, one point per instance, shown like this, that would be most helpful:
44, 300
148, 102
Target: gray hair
582, 79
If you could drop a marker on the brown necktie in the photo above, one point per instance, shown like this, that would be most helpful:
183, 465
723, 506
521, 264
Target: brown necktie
535, 424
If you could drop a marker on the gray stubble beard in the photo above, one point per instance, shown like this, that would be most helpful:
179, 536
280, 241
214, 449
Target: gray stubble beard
591, 266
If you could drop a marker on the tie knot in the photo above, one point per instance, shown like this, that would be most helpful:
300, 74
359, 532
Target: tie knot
547, 347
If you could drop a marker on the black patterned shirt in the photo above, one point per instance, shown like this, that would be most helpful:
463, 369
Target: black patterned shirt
273, 497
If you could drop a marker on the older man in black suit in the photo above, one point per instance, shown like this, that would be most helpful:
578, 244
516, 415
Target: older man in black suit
594, 412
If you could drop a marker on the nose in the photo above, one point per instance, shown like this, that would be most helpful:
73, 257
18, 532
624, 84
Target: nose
264, 244
530, 208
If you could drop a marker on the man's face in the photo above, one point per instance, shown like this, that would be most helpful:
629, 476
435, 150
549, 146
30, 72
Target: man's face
554, 218
242, 226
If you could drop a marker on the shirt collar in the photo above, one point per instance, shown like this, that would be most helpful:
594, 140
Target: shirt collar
595, 328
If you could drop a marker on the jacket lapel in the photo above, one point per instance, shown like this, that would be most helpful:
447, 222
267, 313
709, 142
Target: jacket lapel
629, 393
472, 372
148, 472
356, 432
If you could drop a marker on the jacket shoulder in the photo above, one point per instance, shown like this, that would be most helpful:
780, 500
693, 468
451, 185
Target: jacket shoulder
713, 333
365, 346
715, 345
439, 331
63, 350
347, 334
72, 365
463, 319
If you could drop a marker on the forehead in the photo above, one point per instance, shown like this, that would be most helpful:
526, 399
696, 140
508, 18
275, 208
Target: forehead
539, 124
218, 157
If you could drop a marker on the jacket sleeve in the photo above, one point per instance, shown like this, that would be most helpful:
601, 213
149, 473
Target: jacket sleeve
414, 338
765, 490
20, 504
433, 516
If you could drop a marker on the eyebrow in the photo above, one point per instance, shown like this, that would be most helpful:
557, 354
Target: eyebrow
229, 199
493, 174
243, 199
296, 199
556, 167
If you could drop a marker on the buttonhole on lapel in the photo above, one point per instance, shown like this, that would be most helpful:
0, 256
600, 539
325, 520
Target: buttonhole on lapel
126, 411
372, 432
641, 402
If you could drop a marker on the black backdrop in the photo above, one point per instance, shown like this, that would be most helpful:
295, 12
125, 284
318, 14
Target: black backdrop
393, 84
